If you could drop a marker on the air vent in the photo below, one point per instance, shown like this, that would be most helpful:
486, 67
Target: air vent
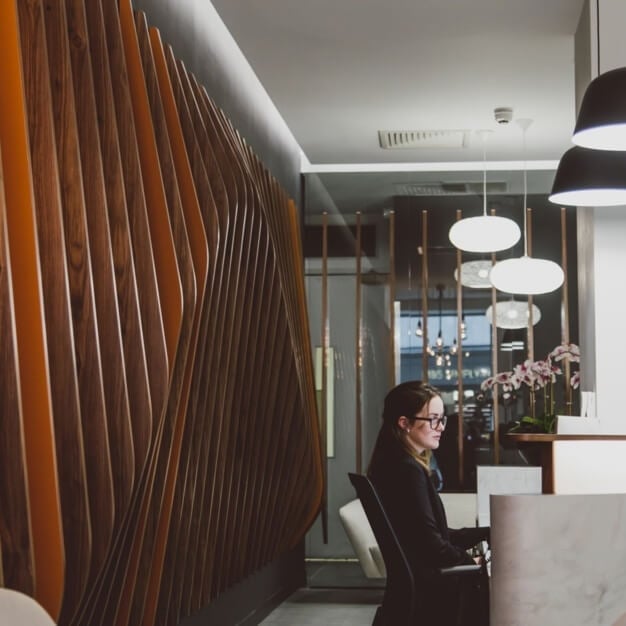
449, 188
441, 139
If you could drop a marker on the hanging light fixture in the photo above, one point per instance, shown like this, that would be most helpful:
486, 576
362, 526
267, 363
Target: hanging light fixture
512, 314
601, 120
486, 233
474, 274
526, 275
588, 177
443, 355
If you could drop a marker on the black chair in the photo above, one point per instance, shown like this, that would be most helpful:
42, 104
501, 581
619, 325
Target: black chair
400, 604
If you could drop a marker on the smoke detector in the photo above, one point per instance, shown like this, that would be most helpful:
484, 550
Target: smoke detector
503, 115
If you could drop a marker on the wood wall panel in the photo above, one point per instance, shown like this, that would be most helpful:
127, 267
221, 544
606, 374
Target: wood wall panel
40, 449
111, 328
16, 543
175, 326
198, 498
80, 282
60, 337
184, 486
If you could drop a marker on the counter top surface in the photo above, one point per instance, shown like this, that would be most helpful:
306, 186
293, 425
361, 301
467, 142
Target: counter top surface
549, 437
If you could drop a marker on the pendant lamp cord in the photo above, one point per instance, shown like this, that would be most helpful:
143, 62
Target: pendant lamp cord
525, 195
524, 124
484, 138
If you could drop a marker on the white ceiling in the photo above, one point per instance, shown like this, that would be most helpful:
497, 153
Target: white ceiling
341, 70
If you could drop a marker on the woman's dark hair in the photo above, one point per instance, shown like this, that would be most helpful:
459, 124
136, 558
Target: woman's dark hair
408, 399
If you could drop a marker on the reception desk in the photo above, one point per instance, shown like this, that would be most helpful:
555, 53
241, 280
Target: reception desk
578, 463
558, 559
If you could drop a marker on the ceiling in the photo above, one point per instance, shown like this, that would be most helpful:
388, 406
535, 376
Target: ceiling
339, 71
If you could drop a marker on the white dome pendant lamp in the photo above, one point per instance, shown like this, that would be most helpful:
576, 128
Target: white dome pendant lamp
526, 275
486, 233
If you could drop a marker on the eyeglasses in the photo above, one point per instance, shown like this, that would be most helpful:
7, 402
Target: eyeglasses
435, 420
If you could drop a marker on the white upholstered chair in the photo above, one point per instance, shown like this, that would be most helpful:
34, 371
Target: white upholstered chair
460, 511
18, 609
362, 538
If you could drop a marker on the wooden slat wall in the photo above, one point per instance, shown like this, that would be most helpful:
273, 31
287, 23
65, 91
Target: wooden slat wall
159, 431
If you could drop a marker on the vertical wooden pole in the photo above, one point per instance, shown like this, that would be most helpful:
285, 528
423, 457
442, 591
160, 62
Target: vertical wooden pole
565, 337
392, 298
425, 296
494, 370
324, 398
459, 357
359, 347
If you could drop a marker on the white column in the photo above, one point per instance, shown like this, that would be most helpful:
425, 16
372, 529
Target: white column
600, 46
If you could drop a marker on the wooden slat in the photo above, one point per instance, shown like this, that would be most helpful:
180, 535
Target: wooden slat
110, 325
188, 559
211, 405
191, 245
275, 518
60, 340
300, 513
16, 542
249, 369
170, 290
212, 581
146, 230
176, 289
40, 448
86, 342
144, 337
170, 597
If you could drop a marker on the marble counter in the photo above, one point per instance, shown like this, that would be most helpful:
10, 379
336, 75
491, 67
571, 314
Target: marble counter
558, 560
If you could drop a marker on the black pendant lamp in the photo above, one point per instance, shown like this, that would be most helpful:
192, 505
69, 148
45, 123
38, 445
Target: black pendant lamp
601, 121
588, 177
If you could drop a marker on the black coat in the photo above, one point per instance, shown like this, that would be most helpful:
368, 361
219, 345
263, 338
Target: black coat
417, 514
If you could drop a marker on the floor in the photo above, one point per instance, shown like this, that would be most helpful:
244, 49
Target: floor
337, 594
326, 607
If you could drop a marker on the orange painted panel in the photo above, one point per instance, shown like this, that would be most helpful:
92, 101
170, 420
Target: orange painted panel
48, 549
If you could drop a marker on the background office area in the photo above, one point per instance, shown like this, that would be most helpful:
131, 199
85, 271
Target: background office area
225, 235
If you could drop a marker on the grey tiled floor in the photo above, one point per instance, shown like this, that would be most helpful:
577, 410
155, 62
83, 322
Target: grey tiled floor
327, 607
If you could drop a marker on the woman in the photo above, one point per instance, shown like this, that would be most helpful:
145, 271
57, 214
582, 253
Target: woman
413, 423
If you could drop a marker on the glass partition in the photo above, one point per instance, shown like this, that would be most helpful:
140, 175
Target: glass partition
385, 306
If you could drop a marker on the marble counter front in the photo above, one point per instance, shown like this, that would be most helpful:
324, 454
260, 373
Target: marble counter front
558, 559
